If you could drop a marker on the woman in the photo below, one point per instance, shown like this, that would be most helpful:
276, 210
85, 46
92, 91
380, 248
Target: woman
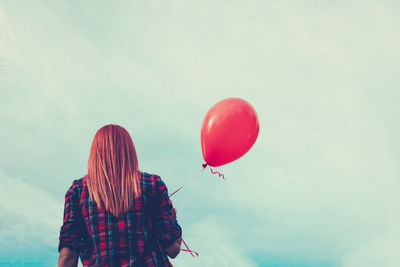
117, 215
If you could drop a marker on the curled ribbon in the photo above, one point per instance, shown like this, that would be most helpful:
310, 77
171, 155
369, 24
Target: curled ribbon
182, 249
214, 172
188, 250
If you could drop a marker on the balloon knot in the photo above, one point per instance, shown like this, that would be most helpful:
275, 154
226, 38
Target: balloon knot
204, 165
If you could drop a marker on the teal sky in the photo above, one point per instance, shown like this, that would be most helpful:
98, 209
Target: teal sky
321, 185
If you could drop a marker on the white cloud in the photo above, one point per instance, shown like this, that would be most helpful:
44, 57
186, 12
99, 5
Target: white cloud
30, 215
215, 245
383, 252
322, 175
7, 37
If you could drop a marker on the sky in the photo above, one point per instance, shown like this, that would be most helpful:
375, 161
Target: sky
321, 185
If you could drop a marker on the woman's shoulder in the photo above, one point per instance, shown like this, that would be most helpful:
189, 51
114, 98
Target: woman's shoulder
152, 183
79, 182
75, 190
149, 179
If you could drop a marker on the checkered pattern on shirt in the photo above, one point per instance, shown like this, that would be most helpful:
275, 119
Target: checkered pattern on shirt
139, 238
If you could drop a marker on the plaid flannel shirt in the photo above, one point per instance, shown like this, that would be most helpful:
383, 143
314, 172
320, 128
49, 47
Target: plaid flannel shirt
139, 238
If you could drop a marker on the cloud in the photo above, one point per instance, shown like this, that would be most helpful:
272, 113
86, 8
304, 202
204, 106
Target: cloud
322, 176
215, 245
7, 36
321, 185
379, 252
31, 216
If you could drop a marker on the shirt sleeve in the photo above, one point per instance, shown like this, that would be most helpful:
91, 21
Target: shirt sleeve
71, 230
166, 226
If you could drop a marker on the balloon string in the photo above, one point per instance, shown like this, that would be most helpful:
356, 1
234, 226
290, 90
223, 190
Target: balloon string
176, 191
219, 174
197, 254
188, 250
181, 186
214, 172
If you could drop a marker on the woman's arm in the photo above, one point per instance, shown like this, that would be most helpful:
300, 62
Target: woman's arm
68, 258
173, 250
71, 230
168, 231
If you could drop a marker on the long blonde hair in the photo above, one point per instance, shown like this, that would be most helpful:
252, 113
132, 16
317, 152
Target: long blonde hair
113, 174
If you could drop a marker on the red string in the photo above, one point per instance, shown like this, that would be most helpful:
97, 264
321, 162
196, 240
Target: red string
176, 191
197, 254
219, 174
213, 172
188, 249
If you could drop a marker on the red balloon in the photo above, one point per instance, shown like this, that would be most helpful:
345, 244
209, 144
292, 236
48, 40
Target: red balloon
229, 130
